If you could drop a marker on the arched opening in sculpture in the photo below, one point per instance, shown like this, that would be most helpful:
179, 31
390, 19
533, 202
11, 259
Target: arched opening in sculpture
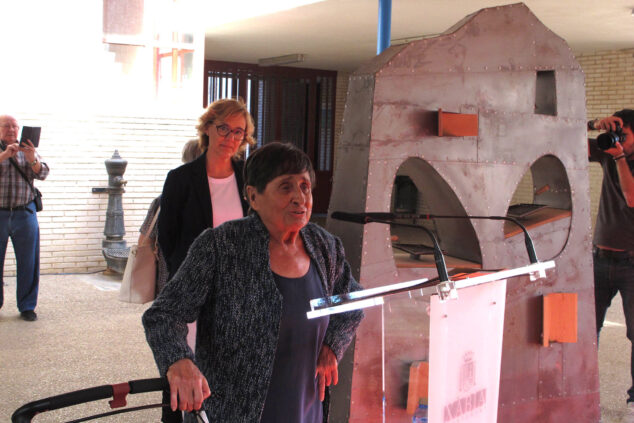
542, 202
419, 190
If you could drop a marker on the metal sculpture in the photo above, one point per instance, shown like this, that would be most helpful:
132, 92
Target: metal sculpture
465, 115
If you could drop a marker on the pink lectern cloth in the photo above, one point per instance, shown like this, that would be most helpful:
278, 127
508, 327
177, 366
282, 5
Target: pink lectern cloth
465, 351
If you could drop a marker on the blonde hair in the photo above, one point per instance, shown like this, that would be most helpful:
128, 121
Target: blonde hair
220, 110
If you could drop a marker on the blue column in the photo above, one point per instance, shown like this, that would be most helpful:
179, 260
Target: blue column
385, 24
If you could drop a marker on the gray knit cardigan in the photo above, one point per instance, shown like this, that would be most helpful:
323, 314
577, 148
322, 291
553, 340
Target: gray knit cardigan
226, 284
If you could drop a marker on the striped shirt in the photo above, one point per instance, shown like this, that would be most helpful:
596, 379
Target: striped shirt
14, 191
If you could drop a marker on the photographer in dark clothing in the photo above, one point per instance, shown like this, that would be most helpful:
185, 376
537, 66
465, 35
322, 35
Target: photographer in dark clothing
614, 230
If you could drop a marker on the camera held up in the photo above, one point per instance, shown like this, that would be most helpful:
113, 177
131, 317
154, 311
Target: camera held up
608, 140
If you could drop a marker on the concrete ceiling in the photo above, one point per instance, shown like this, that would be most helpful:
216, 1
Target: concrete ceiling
341, 34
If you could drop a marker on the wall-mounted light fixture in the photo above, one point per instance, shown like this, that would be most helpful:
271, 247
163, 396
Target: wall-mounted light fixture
282, 60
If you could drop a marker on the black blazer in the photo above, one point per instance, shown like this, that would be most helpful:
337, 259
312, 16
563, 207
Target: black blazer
186, 208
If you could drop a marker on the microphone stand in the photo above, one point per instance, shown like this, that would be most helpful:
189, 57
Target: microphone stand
446, 288
530, 248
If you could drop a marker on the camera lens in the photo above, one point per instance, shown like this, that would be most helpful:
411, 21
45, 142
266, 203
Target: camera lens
608, 140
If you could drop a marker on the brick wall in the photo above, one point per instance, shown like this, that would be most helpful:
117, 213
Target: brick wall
75, 147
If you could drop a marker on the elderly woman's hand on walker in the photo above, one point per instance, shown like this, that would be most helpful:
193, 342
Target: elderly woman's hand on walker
188, 386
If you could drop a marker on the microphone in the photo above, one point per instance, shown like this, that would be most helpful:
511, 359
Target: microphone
375, 216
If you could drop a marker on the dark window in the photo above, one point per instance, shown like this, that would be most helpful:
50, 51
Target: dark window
546, 93
405, 196
288, 104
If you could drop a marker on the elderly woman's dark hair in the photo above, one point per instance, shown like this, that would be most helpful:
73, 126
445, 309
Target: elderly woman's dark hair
273, 160
220, 110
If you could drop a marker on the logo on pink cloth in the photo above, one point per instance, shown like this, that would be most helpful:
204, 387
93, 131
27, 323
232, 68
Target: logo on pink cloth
471, 398
467, 372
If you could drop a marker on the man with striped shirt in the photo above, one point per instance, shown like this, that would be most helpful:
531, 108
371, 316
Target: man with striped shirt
18, 218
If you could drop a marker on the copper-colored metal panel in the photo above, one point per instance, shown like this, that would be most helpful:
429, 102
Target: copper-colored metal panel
571, 409
560, 318
476, 45
519, 379
457, 124
551, 375
524, 85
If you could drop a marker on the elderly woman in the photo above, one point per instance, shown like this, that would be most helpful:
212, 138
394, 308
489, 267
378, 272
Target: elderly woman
206, 192
249, 282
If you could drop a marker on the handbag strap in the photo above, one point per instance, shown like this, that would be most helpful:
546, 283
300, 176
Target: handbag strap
154, 219
151, 227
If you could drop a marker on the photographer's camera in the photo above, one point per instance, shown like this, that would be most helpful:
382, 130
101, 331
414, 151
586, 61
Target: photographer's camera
608, 140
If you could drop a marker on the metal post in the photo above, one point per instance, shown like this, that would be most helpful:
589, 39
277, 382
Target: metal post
114, 246
384, 27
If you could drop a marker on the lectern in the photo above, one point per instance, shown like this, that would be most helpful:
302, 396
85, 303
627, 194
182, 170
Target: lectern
465, 343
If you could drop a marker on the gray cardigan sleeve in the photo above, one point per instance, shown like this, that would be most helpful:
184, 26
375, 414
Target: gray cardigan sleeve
342, 326
179, 303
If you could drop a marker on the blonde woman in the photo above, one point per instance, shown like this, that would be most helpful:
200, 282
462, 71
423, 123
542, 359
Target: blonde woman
206, 192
